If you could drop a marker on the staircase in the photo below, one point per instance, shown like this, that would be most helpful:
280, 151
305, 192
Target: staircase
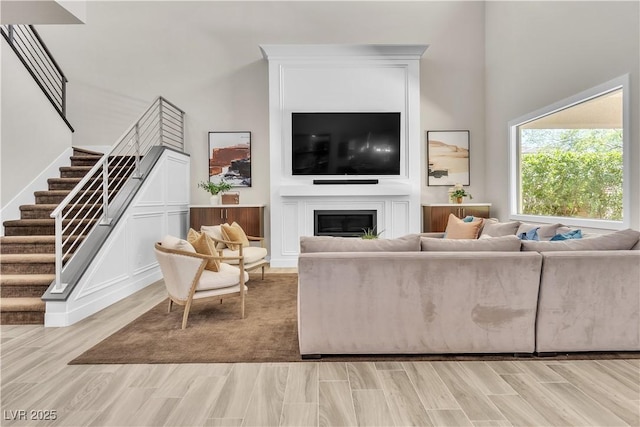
27, 250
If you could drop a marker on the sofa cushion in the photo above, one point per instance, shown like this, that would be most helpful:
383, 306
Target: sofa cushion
459, 229
204, 245
492, 244
619, 240
498, 229
408, 243
227, 276
251, 254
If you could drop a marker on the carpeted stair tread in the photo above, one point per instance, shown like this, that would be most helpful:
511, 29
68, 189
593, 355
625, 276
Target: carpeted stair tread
26, 279
44, 210
6, 240
22, 304
39, 222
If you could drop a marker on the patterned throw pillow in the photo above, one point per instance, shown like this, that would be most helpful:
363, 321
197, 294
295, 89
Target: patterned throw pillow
204, 246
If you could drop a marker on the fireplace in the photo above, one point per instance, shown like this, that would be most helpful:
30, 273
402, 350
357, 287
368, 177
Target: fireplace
343, 223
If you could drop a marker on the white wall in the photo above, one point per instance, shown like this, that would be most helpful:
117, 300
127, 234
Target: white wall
538, 53
204, 57
33, 134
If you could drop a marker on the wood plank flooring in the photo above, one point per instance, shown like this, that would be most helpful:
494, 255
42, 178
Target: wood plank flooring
35, 377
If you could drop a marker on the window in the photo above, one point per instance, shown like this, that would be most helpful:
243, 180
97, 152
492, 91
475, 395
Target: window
569, 160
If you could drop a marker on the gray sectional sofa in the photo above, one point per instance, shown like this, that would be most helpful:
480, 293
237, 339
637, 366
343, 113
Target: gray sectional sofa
419, 294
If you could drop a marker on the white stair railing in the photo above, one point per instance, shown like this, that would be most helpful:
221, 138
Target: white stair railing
87, 205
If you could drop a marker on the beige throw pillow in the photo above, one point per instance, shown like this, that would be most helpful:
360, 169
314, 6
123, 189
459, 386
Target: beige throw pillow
499, 229
204, 246
234, 233
458, 229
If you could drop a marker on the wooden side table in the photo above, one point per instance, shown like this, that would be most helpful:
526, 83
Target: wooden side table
250, 217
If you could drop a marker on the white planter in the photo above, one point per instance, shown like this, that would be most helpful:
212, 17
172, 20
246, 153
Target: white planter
214, 200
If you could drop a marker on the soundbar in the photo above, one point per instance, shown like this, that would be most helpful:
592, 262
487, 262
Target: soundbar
344, 181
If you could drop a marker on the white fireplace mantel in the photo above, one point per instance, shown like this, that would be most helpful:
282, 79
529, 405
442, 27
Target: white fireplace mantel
341, 78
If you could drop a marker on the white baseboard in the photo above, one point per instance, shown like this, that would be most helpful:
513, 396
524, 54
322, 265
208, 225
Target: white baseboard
58, 313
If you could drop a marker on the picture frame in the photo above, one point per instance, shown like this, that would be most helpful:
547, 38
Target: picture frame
448, 160
230, 157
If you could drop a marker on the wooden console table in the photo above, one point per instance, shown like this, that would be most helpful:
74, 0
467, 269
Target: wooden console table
250, 217
436, 215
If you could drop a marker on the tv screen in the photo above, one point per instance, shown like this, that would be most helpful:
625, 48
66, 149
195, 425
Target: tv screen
346, 143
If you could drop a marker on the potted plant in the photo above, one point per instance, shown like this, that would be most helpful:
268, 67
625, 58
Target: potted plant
458, 193
370, 233
215, 188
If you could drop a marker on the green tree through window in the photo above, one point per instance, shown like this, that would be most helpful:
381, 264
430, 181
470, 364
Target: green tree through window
572, 173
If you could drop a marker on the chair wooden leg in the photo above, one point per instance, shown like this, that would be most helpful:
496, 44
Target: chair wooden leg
263, 272
170, 305
187, 307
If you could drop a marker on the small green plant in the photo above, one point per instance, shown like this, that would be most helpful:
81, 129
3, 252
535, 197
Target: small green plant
370, 233
214, 188
459, 191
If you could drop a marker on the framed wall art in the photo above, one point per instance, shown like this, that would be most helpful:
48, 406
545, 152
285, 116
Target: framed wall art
448, 157
230, 158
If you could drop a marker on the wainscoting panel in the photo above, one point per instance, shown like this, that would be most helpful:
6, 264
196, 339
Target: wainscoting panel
401, 215
290, 220
143, 233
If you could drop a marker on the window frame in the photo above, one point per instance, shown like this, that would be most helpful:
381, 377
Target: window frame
621, 82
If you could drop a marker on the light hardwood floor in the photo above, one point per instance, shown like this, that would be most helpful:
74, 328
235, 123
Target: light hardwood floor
36, 377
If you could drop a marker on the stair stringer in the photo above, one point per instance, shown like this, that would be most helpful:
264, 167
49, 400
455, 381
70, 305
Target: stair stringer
126, 263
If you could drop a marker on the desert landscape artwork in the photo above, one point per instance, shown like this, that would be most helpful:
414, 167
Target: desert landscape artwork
448, 157
230, 158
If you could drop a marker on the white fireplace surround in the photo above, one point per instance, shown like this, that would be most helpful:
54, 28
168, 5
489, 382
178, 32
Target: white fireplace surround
341, 78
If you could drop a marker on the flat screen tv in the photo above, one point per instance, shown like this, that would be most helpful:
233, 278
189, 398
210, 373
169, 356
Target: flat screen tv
345, 143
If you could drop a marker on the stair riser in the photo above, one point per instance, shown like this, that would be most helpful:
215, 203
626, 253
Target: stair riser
22, 318
23, 291
32, 268
83, 162
48, 199
68, 186
71, 173
28, 248
46, 214
38, 230
43, 230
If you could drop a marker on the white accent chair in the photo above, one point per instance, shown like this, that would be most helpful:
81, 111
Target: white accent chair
187, 280
254, 256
